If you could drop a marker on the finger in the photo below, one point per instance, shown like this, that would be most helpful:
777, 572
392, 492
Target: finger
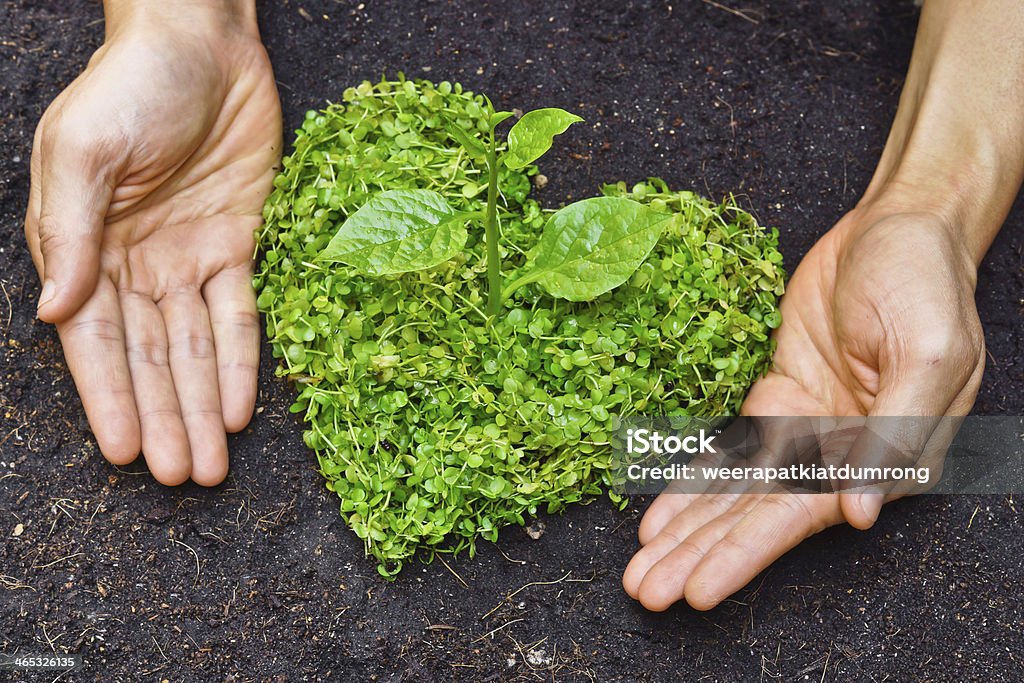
701, 510
232, 304
664, 583
733, 443
74, 178
94, 346
666, 507
902, 420
883, 444
931, 464
766, 532
193, 365
34, 205
679, 496
164, 439
932, 460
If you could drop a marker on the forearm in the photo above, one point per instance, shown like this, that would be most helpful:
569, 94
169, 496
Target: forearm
956, 147
216, 14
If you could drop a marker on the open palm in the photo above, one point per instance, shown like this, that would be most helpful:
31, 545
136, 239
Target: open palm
148, 178
878, 320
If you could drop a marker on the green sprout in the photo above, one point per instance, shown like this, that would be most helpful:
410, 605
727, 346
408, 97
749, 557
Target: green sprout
586, 248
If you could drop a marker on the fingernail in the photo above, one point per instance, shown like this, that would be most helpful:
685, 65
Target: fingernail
871, 503
49, 291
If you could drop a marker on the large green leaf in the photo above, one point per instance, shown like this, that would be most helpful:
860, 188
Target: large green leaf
593, 246
532, 135
398, 231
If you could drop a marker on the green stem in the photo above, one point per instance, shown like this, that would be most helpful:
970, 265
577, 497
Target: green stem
491, 231
519, 282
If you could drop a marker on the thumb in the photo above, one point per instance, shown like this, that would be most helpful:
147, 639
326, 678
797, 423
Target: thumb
909, 428
74, 192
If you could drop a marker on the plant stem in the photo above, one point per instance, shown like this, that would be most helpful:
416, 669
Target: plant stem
491, 231
519, 282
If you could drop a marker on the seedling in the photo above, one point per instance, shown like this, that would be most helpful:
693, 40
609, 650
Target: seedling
586, 249
435, 421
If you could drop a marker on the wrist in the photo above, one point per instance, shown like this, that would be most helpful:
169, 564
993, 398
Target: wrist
904, 242
210, 16
969, 209
956, 151
967, 181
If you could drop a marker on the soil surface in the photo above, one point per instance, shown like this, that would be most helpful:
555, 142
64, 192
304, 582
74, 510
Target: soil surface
786, 104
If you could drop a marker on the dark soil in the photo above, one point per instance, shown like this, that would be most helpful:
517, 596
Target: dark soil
788, 108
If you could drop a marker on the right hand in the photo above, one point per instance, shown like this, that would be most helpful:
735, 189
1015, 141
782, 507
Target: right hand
149, 174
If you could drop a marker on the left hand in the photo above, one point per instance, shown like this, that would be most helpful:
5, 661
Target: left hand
878, 320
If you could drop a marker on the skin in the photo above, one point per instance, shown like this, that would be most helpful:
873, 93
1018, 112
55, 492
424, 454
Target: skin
879, 318
148, 178
149, 172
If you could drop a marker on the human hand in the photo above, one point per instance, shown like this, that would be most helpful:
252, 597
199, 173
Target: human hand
149, 174
878, 320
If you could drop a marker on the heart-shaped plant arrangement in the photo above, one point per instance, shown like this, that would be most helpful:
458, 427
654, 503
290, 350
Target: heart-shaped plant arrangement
461, 353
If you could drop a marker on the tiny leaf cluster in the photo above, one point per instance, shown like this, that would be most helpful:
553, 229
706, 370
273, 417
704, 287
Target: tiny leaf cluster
437, 423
